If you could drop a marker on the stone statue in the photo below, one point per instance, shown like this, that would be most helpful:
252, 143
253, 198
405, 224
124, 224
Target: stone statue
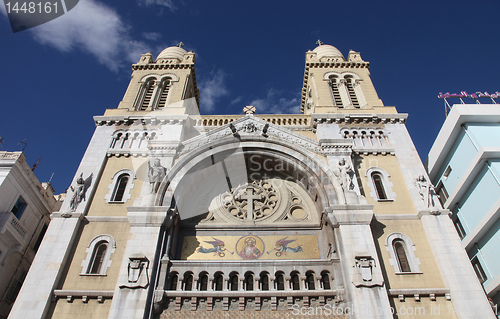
156, 174
80, 190
345, 175
426, 191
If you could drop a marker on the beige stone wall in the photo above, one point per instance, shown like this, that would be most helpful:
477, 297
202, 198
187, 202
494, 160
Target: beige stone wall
119, 230
403, 203
176, 90
99, 206
324, 91
74, 280
430, 276
423, 309
79, 310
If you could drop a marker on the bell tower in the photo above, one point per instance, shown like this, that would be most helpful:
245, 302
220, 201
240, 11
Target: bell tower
333, 84
166, 85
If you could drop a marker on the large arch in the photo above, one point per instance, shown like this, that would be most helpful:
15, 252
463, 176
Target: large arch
221, 164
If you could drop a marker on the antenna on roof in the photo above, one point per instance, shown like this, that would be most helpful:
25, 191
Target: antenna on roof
23, 142
36, 164
51, 177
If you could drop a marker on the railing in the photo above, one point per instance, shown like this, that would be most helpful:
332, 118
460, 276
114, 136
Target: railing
278, 119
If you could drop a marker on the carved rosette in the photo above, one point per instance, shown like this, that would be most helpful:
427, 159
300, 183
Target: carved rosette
262, 194
264, 201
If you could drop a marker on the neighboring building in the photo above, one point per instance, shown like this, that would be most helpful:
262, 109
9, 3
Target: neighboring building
25, 207
176, 215
464, 164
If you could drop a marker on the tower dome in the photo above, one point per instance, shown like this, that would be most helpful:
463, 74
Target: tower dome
328, 50
172, 53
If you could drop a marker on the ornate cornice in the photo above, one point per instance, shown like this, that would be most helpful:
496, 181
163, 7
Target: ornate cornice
353, 118
161, 66
140, 120
252, 128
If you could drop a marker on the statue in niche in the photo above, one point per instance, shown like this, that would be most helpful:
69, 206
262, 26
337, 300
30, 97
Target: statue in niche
344, 174
426, 191
156, 174
80, 191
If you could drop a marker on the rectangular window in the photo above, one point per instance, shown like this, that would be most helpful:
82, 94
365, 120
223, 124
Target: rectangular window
479, 270
14, 290
19, 207
443, 194
40, 238
459, 228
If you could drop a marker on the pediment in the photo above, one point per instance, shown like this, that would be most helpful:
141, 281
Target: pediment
250, 128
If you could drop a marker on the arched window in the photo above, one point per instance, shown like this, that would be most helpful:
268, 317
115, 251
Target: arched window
148, 94
218, 281
379, 186
188, 281
378, 182
325, 280
165, 86
402, 253
203, 282
311, 285
335, 91
98, 257
249, 281
99, 253
119, 189
233, 282
399, 248
280, 281
350, 90
174, 278
295, 281
264, 281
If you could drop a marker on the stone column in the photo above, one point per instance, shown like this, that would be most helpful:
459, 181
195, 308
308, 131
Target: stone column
145, 226
367, 298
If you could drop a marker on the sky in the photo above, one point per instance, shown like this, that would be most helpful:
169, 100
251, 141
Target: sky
57, 76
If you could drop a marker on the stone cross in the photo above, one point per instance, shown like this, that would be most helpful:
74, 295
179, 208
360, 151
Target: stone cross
319, 42
250, 196
249, 109
180, 44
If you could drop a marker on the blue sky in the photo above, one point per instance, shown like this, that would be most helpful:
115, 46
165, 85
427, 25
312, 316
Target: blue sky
57, 76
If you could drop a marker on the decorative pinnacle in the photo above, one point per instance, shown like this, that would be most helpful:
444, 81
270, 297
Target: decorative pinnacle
249, 109
180, 44
319, 42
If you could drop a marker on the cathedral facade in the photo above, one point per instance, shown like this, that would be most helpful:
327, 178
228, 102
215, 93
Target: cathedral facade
328, 213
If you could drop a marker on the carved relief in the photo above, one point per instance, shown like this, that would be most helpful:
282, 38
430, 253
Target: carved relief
137, 273
262, 201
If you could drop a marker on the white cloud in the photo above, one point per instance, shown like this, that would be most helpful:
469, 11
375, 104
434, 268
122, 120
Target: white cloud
96, 29
236, 100
211, 90
153, 36
166, 3
275, 104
